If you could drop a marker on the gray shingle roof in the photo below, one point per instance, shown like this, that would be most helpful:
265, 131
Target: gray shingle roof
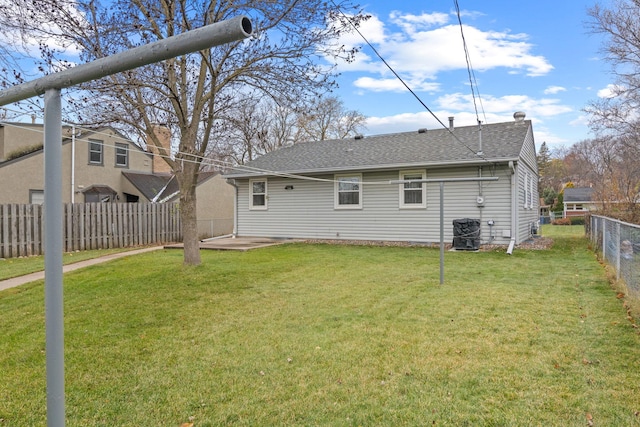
148, 184
579, 194
500, 142
160, 187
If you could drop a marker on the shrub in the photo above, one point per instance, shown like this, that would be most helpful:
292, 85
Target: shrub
561, 221
577, 220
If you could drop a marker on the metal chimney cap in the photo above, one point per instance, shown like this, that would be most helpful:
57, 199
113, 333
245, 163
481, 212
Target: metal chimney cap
519, 116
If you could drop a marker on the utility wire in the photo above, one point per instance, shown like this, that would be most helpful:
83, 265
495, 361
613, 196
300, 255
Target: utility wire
405, 84
472, 75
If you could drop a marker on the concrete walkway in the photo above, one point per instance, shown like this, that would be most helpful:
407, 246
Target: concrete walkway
226, 243
21, 280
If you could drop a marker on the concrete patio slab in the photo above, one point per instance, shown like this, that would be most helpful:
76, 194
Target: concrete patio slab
236, 243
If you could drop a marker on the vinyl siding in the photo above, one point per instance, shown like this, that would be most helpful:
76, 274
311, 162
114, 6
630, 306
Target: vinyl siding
307, 211
528, 214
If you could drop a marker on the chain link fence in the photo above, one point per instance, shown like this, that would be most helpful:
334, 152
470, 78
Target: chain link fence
208, 228
619, 244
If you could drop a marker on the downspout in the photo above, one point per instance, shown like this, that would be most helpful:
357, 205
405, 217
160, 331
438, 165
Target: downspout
73, 163
514, 206
232, 182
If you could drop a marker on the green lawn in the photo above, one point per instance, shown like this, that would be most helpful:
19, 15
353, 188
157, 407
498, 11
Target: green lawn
13, 267
303, 335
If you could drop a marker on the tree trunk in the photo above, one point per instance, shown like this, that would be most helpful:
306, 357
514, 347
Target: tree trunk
188, 214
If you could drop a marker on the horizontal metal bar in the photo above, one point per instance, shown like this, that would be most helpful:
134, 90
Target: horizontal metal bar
410, 181
234, 29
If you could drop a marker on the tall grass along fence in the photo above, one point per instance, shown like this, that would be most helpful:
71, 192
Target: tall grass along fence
89, 226
619, 244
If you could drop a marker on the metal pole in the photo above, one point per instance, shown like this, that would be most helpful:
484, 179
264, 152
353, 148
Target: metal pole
54, 321
234, 29
231, 30
442, 181
441, 232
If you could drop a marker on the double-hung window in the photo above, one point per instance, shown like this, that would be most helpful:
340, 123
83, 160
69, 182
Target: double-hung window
258, 194
413, 195
348, 191
95, 152
122, 155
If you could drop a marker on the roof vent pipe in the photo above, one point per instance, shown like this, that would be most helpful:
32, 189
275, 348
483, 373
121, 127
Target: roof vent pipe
480, 153
422, 130
359, 137
450, 122
519, 116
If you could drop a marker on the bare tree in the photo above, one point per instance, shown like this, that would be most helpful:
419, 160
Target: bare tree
618, 113
327, 118
258, 125
611, 166
193, 93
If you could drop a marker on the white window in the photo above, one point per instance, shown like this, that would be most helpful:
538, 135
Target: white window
413, 194
258, 194
122, 155
95, 152
348, 191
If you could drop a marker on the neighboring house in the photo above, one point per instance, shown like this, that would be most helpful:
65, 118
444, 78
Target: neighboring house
577, 201
102, 165
213, 194
340, 189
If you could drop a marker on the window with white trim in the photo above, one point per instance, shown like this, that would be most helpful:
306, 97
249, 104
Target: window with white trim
122, 155
95, 152
413, 195
258, 194
348, 191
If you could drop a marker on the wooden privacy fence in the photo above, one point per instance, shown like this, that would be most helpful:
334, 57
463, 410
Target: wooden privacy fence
89, 226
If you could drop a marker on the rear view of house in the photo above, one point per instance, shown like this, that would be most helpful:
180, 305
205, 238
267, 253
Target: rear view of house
343, 189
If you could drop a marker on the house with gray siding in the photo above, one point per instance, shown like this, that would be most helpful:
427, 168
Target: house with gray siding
349, 188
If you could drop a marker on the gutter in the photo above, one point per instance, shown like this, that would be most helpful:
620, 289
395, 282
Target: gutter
365, 168
232, 182
514, 206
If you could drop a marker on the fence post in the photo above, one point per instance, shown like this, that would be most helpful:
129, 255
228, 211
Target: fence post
604, 239
618, 251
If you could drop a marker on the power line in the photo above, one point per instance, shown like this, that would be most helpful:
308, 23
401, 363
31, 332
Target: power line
472, 76
406, 85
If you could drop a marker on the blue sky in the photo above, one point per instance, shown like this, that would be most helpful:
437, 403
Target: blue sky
537, 57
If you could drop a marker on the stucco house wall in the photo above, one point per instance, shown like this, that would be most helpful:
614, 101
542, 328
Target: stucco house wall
26, 173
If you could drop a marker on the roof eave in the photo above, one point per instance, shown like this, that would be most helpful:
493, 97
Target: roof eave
368, 168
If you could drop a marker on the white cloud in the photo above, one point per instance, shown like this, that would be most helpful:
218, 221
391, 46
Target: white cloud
411, 23
552, 90
394, 85
419, 47
496, 110
611, 91
49, 34
505, 105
